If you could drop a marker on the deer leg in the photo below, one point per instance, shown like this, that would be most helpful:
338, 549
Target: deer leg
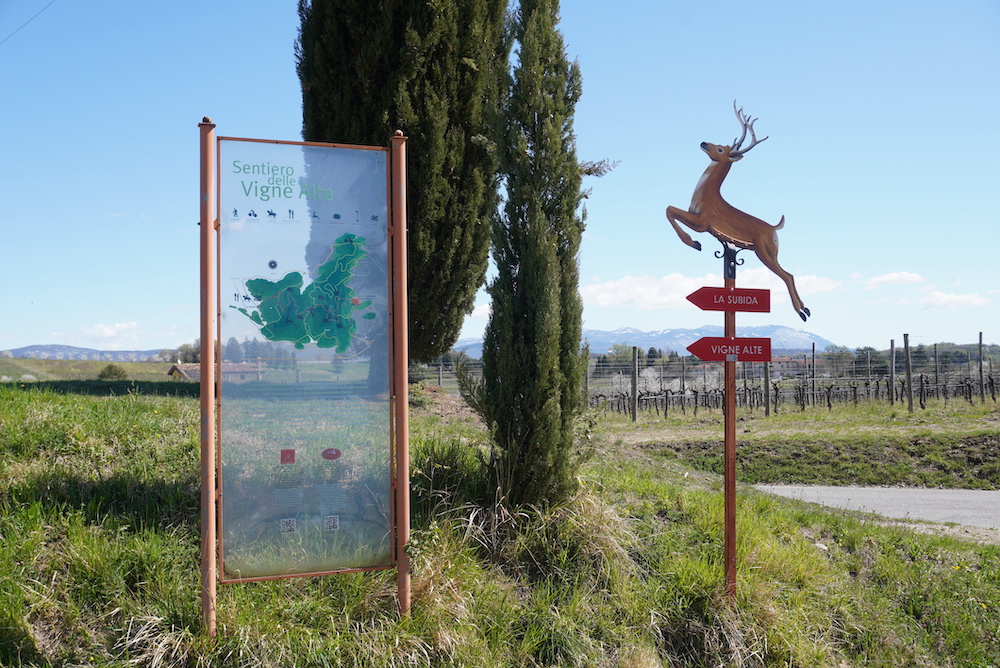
674, 214
768, 254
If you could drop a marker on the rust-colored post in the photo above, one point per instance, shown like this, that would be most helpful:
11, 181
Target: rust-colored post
634, 372
729, 464
209, 298
400, 371
982, 377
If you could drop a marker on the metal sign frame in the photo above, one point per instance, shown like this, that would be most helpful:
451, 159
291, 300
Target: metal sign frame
398, 427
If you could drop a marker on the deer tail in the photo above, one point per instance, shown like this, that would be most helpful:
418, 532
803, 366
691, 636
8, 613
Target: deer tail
781, 223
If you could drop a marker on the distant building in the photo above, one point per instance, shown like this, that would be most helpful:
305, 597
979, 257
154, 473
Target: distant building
232, 372
798, 366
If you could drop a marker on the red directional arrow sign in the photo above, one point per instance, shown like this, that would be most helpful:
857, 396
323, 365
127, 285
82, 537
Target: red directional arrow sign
731, 299
723, 349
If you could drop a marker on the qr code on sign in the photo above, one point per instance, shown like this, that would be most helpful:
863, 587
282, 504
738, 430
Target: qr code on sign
331, 522
288, 526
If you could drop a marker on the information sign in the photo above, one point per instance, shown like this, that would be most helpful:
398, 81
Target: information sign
724, 349
304, 293
731, 299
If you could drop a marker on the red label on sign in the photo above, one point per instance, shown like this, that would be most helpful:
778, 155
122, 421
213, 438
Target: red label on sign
331, 453
722, 349
731, 299
288, 456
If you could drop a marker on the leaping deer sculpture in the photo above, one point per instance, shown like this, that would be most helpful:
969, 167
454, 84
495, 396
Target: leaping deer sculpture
709, 212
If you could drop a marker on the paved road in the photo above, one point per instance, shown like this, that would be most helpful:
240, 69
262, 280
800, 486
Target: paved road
963, 506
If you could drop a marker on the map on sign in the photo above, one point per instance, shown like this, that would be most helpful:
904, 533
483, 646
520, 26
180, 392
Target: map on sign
305, 417
321, 312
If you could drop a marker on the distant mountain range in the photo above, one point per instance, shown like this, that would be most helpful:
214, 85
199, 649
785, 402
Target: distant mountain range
57, 352
784, 340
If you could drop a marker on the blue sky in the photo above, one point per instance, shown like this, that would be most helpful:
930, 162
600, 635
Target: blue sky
882, 157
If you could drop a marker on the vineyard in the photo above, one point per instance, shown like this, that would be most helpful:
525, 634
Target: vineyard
758, 390
628, 379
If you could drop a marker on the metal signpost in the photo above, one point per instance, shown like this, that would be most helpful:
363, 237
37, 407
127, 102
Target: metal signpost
305, 436
730, 350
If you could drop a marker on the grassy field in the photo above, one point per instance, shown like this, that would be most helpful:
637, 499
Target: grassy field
953, 445
78, 369
99, 553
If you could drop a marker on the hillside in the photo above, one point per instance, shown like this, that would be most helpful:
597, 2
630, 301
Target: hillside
60, 352
784, 340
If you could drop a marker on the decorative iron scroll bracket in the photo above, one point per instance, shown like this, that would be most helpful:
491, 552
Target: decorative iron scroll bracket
729, 259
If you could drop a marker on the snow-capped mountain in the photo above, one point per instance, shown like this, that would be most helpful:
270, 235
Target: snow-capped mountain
783, 339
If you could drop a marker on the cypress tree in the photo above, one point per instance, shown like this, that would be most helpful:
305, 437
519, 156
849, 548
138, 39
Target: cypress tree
433, 70
533, 365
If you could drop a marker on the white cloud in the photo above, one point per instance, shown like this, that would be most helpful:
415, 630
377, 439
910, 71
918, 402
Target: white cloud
120, 335
811, 285
937, 300
646, 293
894, 278
481, 311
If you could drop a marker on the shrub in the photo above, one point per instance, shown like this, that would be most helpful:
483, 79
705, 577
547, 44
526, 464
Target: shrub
112, 372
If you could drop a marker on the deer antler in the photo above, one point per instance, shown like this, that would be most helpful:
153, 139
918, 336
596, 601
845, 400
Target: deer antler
747, 123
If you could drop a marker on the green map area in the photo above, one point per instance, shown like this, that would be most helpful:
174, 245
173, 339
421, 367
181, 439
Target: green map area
322, 311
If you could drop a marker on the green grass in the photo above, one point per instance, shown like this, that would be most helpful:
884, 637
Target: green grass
78, 369
953, 445
99, 534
